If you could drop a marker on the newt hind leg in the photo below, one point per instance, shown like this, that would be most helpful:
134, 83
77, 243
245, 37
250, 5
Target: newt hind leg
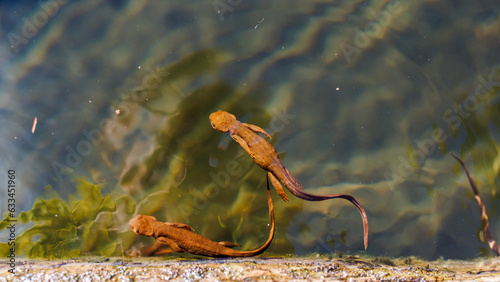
228, 244
163, 251
277, 185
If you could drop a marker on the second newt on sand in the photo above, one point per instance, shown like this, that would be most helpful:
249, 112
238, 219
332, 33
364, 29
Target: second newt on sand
266, 157
180, 237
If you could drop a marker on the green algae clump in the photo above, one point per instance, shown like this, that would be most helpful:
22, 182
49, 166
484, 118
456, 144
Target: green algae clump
80, 226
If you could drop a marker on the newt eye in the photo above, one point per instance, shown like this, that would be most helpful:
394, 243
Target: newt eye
212, 123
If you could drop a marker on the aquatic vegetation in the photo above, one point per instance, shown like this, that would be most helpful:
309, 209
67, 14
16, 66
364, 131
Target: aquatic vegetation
484, 216
85, 224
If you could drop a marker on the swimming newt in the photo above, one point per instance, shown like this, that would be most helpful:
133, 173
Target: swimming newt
180, 237
266, 157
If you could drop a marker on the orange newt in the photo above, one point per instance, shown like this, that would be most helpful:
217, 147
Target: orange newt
180, 237
266, 157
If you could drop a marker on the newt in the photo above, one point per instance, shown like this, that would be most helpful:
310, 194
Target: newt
181, 238
266, 157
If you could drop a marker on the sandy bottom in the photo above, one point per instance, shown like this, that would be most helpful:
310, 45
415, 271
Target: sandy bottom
350, 268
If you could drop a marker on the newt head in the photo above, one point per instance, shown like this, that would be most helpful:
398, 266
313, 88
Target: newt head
143, 225
222, 120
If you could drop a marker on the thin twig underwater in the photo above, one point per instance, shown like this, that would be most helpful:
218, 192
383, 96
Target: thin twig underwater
484, 215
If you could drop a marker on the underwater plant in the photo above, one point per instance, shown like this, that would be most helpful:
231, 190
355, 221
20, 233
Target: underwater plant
85, 224
484, 216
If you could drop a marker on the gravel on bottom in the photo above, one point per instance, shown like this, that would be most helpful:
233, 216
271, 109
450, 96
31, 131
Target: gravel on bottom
351, 268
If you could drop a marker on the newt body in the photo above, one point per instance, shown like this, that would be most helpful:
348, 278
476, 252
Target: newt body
180, 237
266, 157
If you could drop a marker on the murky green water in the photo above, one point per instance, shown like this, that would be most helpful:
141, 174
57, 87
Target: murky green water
363, 98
